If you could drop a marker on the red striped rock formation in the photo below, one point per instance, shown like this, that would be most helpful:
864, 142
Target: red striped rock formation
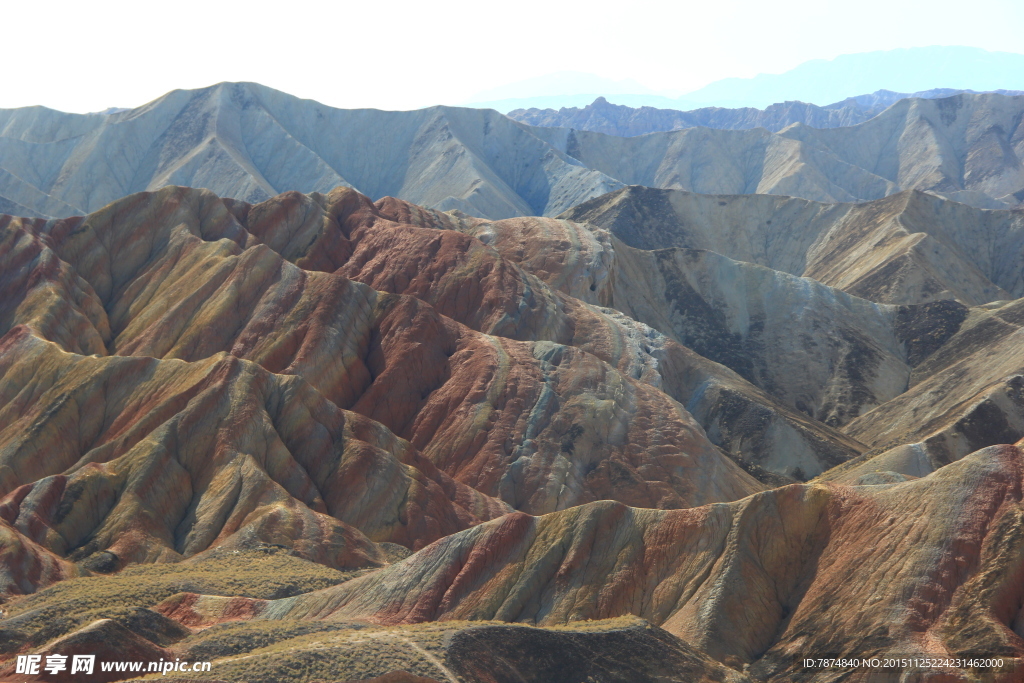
589, 269
505, 291
928, 568
154, 460
214, 406
25, 565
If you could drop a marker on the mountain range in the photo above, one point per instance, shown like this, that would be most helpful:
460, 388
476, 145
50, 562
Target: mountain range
601, 116
248, 142
441, 396
964, 147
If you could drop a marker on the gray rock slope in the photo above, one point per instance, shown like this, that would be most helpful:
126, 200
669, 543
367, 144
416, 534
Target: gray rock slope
908, 248
969, 391
249, 142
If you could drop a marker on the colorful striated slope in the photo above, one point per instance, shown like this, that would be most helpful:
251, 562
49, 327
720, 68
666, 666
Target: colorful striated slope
579, 271
217, 361
156, 460
926, 568
823, 352
185, 379
472, 283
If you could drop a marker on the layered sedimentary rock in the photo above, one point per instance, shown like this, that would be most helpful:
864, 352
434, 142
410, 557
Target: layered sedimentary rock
924, 568
324, 437
397, 247
299, 404
905, 249
25, 565
816, 350
401, 248
142, 461
819, 351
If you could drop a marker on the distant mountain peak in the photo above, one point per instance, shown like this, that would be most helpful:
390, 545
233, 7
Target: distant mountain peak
617, 119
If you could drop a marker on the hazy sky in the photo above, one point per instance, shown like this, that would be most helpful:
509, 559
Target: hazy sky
87, 56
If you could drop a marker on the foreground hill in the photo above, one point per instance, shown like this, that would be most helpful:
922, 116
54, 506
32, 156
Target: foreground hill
248, 142
750, 583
